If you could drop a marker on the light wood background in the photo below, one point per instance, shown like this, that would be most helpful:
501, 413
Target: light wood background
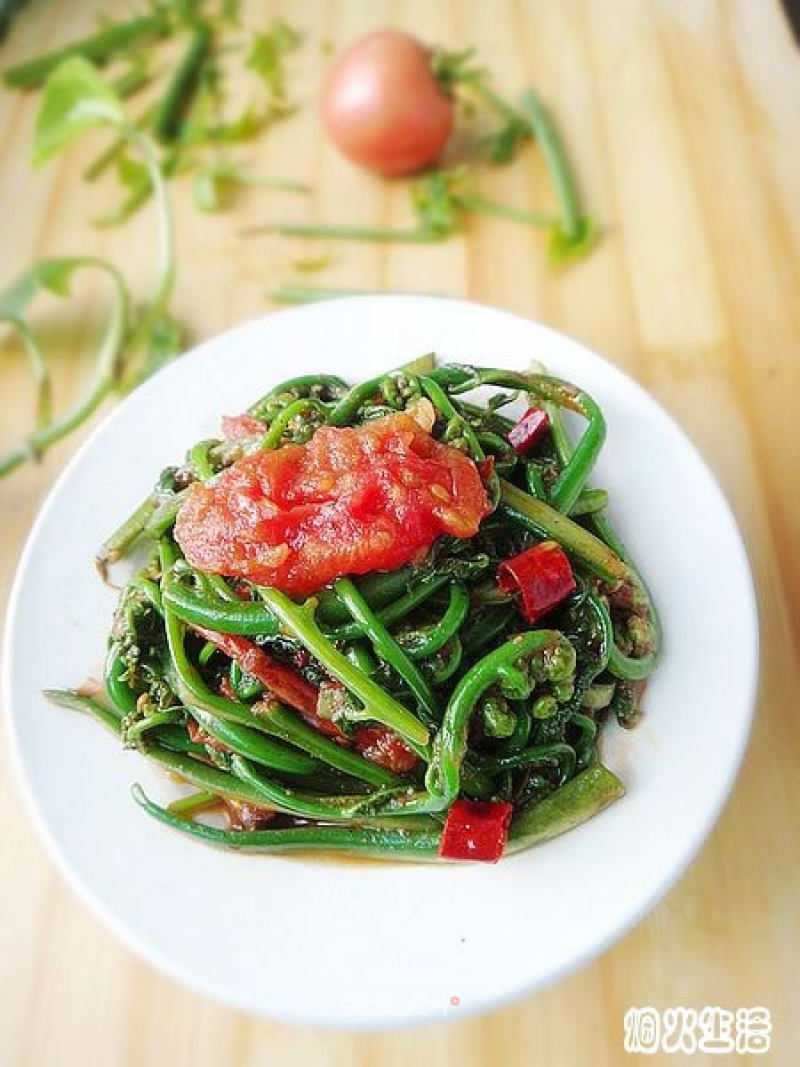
683, 118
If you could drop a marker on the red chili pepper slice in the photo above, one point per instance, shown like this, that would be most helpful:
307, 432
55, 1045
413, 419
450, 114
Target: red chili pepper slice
541, 575
378, 744
280, 680
383, 746
375, 742
475, 830
528, 430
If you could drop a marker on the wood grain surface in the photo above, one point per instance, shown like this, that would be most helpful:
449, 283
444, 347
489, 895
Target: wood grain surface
683, 119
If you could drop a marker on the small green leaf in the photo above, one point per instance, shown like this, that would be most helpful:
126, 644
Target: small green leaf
503, 145
250, 122
214, 185
436, 196
132, 173
16, 298
266, 54
136, 178
312, 264
75, 98
55, 275
452, 69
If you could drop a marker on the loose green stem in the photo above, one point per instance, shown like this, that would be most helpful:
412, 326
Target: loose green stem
432, 639
495, 101
268, 181
628, 668
167, 258
378, 589
478, 206
122, 697
393, 612
115, 546
555, 158
244, 617
386, 646
177, 98
100, 386
252, 745
589, 502
546, 522
99, 47
515, 666
106, 158
193, 803
307, 294
580, 799
381, 706
203, 775
418, 235
68, 698
283, 723
376, 842
131, 81
38, 364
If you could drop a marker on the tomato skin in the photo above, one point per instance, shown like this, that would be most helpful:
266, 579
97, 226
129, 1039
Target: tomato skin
351, 501
383, 107
240, 427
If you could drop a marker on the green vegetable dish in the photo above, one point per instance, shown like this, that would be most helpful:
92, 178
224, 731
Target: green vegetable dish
384, 619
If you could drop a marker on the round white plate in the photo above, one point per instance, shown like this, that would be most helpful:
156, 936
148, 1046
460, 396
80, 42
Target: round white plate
380, 944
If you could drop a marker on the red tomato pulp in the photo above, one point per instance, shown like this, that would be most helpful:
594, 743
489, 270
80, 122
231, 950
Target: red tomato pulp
352, 500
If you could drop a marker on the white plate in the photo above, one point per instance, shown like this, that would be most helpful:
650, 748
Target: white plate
380, 944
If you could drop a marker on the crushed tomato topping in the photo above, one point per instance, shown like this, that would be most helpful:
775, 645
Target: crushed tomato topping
351, 501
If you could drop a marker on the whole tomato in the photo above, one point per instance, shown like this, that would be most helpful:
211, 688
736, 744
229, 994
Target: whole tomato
383, 106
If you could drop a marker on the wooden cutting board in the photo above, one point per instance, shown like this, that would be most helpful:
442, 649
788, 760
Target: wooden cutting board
683, 119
